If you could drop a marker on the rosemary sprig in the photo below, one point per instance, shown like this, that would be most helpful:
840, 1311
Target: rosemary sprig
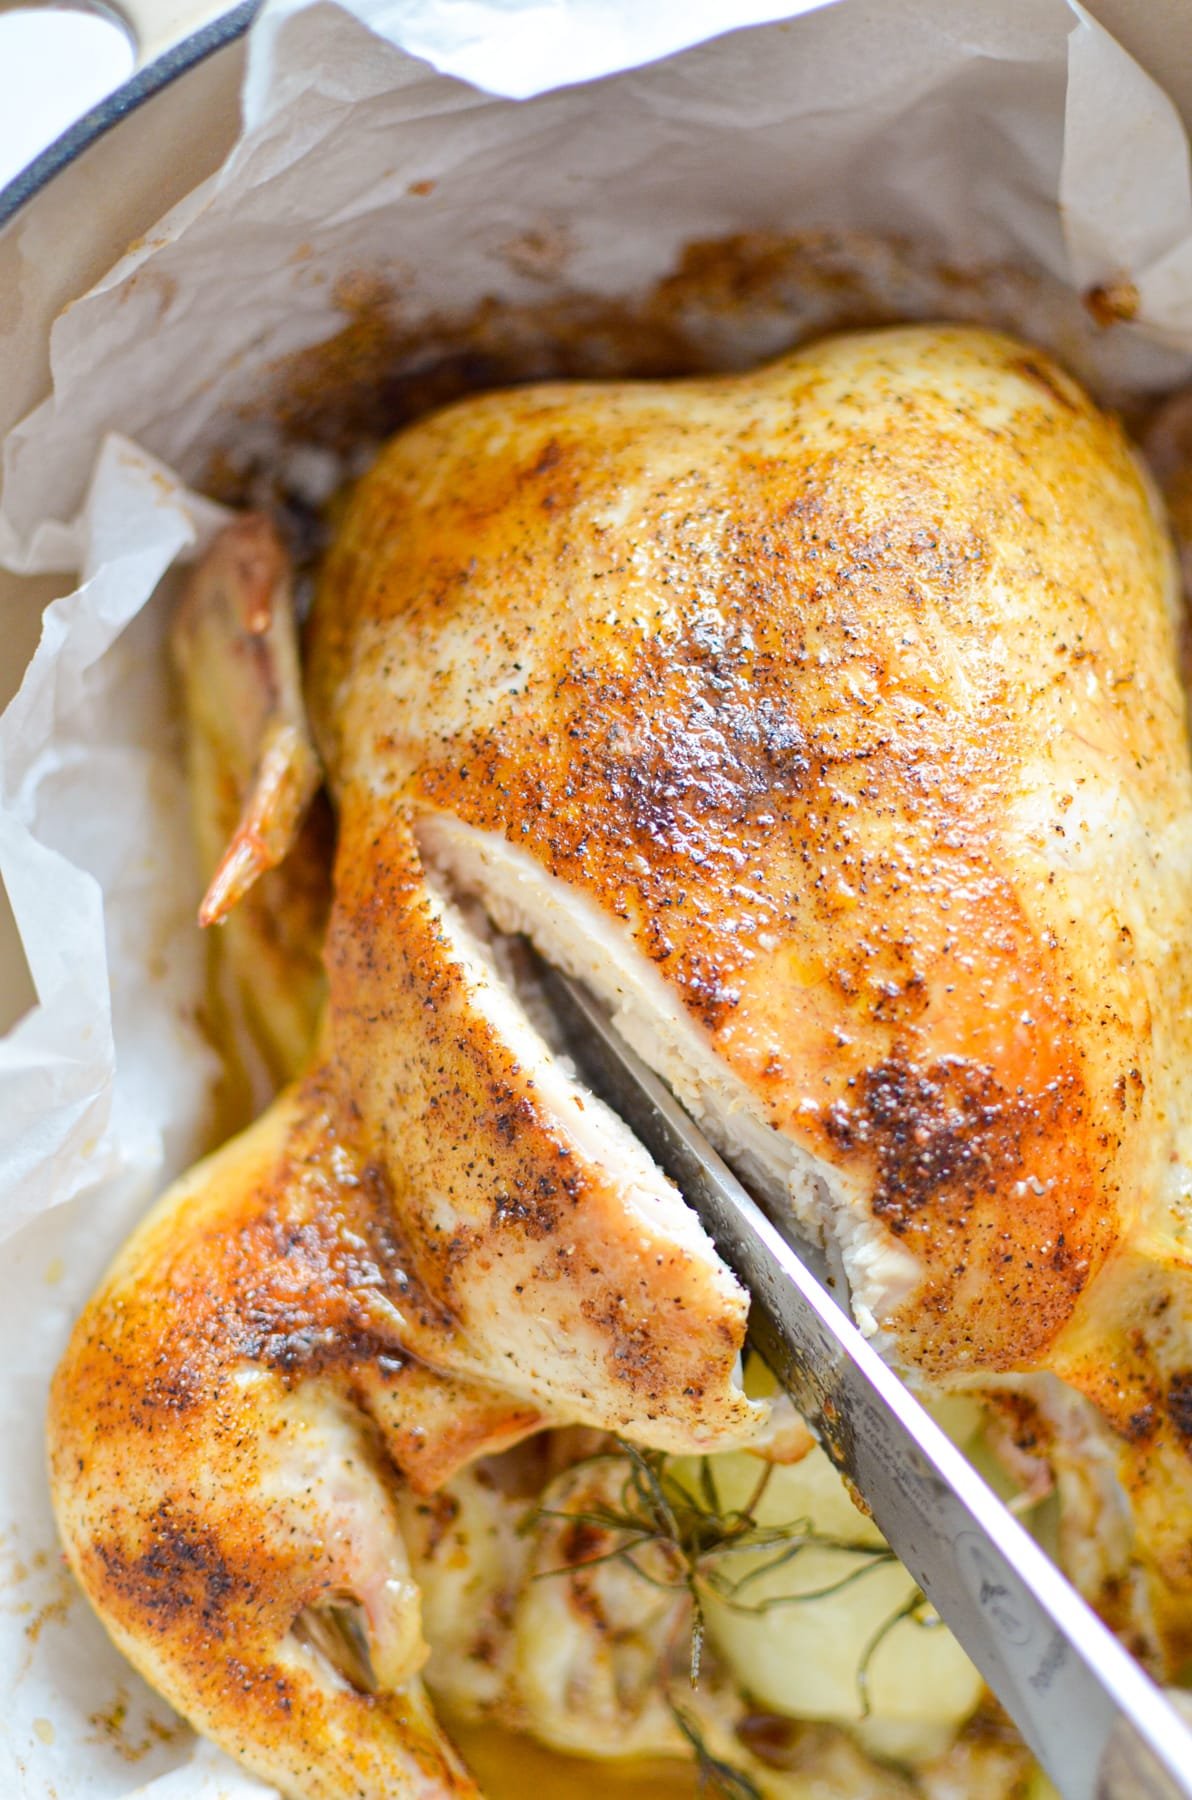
916, 1607
692, 1539
694, 1536
714, 1774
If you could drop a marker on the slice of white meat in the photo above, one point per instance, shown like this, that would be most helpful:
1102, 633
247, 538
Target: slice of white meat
547, 1252
576, 935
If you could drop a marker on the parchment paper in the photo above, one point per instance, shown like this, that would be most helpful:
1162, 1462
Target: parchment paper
381, 139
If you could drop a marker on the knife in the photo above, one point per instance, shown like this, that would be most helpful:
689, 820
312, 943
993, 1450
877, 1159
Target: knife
1099, 1726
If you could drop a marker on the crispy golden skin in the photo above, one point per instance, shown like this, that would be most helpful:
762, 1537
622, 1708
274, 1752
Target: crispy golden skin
830, 711
292, 1334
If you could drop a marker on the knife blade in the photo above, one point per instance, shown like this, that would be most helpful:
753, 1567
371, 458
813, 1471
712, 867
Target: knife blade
1099, 1726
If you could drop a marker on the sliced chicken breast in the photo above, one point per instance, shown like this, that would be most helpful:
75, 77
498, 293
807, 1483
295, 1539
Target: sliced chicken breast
557, 1259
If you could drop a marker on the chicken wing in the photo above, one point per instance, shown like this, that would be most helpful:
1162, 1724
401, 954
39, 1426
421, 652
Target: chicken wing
253, 774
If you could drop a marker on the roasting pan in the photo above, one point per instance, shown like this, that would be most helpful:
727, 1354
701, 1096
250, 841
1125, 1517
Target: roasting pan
68, 217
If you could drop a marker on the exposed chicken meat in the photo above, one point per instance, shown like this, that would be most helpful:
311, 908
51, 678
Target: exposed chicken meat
560, 1261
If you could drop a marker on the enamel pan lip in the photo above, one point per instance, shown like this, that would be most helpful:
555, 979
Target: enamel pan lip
116, 106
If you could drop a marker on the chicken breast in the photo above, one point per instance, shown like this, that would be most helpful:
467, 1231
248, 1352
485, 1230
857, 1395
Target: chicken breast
568, 1267
826, 721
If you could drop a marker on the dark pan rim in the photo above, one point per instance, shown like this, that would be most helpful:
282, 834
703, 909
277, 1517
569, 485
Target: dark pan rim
120, 102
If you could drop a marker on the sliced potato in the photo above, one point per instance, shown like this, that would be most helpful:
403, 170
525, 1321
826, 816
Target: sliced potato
845, 1656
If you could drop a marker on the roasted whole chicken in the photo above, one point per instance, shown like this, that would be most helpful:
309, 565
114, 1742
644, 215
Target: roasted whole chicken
825, 720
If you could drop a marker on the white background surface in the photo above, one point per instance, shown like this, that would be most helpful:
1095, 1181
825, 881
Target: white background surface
53, 66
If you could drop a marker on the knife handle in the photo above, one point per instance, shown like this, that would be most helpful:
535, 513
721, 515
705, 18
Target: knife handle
1129, 1770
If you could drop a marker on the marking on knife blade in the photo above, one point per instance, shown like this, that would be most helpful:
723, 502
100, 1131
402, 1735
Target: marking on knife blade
995, 1588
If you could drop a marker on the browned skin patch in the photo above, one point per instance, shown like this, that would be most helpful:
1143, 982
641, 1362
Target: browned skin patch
1179, 1404
289, 1264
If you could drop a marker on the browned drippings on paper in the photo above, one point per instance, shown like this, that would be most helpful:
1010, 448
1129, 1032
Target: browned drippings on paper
728, 304
1113, 302
131, 1737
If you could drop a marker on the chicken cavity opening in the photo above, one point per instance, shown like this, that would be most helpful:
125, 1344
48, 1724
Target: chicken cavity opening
520, 898
335, 1628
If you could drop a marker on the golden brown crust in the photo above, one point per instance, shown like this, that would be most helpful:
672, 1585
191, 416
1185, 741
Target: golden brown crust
246, 1335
